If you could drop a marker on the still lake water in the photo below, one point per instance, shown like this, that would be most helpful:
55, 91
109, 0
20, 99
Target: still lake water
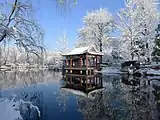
123, 97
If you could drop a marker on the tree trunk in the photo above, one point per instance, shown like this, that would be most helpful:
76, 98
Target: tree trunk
100, 51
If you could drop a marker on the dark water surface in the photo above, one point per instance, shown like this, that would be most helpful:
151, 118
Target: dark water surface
118, 97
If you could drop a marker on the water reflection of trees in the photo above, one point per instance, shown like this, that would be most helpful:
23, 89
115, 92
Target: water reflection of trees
12, 79
142, 100
131, 99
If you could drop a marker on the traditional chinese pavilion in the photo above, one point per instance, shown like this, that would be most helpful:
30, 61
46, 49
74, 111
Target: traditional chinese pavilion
83, 60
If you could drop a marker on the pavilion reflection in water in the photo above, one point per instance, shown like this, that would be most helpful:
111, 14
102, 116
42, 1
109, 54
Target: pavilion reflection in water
83, 85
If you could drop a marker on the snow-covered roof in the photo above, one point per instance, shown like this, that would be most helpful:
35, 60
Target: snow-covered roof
83, 50
81, 93
76, 92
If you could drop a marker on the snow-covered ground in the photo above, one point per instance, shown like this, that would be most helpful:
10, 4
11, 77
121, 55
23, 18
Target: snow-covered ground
111, 70
116, 70
15, 109
153, 72
153, 64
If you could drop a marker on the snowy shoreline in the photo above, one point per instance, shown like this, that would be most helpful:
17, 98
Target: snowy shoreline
113, 70
15, 109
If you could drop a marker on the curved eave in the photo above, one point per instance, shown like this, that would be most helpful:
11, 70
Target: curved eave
72, 54
76, 92
94, 53
97, 90
90, 53
80, 93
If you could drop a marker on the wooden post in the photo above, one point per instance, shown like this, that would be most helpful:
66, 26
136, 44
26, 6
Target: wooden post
80, 61
86, 64
93, 61
66, 80
71, 80
86, 71
96, 80
90, 82
86, 60
96, 62
86, 83
67, 62
101, 81
81, 80
70, 62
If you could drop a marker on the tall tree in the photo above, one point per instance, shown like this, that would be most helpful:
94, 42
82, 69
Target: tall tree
150, 16
129, 25
137, 23
97, 26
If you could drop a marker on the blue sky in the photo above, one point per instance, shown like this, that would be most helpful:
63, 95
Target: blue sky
53, 23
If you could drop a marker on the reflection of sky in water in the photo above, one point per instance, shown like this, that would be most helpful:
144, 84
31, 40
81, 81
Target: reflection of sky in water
47, 97
116, 102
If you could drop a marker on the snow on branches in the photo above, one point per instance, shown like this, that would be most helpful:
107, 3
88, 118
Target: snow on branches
18, 24
97, 26
137, 24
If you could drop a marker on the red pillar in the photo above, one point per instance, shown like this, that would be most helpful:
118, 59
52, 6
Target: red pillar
86, 83
71, 80
96, 62
70, 62
86, 60
81, 80
93, 61
80, 61
66, 62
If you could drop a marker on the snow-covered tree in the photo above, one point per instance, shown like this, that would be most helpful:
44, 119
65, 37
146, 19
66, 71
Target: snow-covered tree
97, 27
54, 58
17, 24
111, 50
129, 28
150, 16
137, 24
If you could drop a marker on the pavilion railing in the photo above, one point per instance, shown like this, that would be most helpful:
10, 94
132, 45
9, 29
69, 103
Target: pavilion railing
82, 66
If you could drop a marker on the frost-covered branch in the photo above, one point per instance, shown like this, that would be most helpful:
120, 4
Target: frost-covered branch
97, 26
18, 25
14, 109
137, 24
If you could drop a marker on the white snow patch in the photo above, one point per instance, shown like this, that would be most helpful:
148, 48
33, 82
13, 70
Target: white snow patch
10, 109
76, 92
111, 70
80, 93
82, 50
154, 72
